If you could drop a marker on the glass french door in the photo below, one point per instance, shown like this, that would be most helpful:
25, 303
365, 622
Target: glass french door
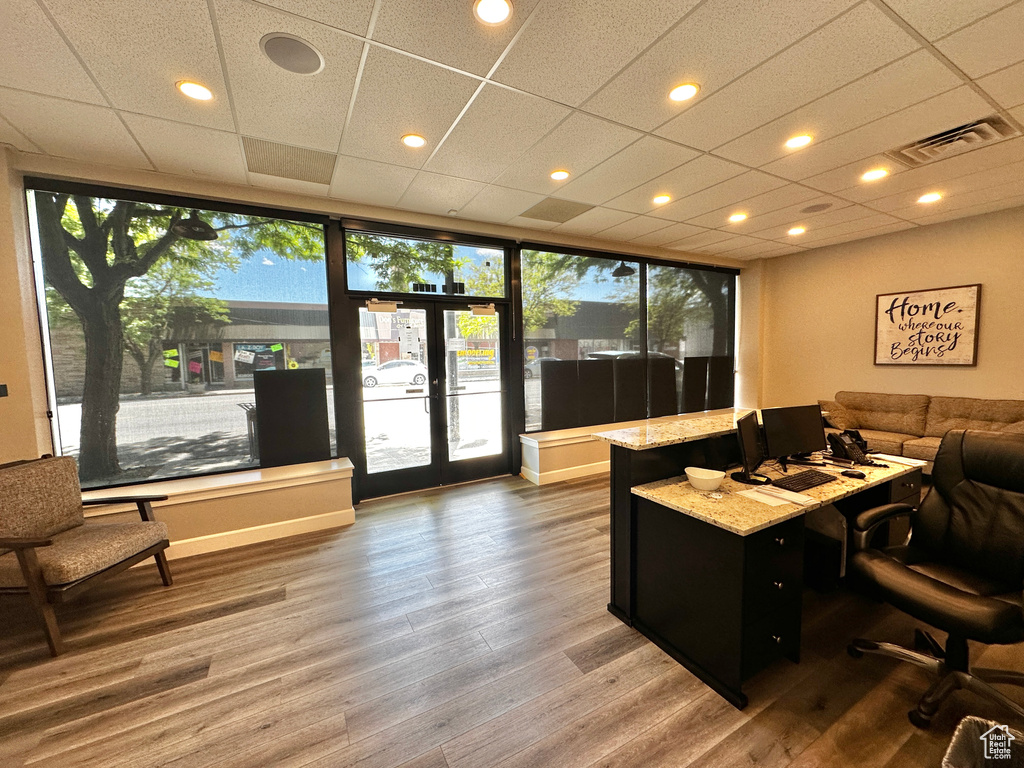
433, 397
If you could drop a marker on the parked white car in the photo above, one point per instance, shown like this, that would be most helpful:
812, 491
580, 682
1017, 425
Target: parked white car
395, 372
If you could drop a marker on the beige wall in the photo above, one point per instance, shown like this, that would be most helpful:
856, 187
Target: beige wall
819, 308
24, 429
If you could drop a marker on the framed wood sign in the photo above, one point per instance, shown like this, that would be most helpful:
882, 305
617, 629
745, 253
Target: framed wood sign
932, 327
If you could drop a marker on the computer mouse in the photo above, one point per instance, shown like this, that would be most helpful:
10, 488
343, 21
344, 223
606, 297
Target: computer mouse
853, 473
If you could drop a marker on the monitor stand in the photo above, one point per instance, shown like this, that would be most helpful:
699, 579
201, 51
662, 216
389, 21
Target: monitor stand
750, 479
799, 459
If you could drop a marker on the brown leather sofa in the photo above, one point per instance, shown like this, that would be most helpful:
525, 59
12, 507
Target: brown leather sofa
913, 425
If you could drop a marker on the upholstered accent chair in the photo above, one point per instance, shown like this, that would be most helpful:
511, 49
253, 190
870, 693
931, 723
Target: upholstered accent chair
49, 551
962, 570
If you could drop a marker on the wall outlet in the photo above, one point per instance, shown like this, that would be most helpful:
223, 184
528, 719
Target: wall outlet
3, 390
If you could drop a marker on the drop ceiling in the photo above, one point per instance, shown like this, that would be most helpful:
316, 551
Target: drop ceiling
564, 84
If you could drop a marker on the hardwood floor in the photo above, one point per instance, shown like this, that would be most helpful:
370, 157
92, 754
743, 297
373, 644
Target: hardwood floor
458, 628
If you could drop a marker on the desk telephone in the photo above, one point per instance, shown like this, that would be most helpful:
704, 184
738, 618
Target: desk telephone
849, 445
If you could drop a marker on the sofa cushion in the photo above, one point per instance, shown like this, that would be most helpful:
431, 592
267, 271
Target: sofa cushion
881, 441
904, 414
838, 416
85, 550
946, 413
922, 448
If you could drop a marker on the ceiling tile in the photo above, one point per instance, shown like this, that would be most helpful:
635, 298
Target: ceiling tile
1006, 180
569, 49
67, 129
670, 234
912, 79
272, 103
9, 135
845, 176
790, 216
633, 228
498, 128
982, 201
498, 204
293, 186
577, 145
34, 57
1018, 113
817, 234
989, 44
853, 45
758, 206
189, 149
593, 221
918, 180
634, 165
734, 243
762, 249
738, 188
939, 113
367, 181
1006, 86
694, 242
701, 173
400, 95
154, 50
448, 32
351, 15
434, 193
525, 223
722, 39
864, 234
935, 19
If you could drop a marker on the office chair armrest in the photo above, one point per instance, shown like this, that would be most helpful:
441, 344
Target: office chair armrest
865, 523
144, 503
24, 543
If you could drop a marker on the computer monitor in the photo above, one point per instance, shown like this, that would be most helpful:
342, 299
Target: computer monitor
793, 431
748, 433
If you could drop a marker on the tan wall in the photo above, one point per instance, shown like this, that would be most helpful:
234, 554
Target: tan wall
819, 308
24, 428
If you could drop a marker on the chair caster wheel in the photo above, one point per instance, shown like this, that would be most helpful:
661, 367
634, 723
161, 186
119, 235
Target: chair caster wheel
854, 651
918, 720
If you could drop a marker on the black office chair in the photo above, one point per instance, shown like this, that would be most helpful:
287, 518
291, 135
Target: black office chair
963, 568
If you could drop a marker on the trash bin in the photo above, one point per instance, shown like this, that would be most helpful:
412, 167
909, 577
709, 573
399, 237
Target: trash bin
975, 738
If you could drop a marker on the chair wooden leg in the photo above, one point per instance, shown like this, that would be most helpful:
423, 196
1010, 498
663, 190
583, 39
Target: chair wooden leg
37, 592
164, 568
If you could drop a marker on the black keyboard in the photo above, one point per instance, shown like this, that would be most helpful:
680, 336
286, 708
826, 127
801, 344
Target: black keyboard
801, 481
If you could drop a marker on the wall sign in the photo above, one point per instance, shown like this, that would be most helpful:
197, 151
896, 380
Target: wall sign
932, 327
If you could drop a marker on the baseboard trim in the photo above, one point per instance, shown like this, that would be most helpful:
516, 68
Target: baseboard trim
569, 473
215, 542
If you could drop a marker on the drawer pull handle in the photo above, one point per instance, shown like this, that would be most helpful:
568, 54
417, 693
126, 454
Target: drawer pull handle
778, 584
781, 541
777, 639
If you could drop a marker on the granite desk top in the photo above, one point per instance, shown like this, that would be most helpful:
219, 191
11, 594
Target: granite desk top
743, 515
658, 433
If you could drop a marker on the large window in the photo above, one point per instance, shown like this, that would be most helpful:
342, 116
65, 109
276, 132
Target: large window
591, 356
158, 318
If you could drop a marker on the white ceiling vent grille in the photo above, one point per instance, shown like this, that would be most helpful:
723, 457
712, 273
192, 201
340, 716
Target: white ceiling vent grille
953, 142
288, 162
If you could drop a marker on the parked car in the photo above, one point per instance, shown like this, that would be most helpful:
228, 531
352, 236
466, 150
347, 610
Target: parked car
395, 372
533, 367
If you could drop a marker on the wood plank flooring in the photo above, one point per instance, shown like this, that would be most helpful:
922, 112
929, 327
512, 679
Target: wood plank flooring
457, 628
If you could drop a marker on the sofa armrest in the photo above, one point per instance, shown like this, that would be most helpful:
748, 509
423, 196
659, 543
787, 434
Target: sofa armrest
24, 543
144, 503
866, 522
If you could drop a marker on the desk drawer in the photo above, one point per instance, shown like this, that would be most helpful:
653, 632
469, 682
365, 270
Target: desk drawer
906, 489
770, 637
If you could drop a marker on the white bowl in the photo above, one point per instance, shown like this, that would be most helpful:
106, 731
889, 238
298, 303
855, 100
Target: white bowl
704, 479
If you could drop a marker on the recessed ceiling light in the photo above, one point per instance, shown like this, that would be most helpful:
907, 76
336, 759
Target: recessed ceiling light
492, 11
661, 199
292, 54
559, 175
413, 140
737, 217
797, 231
195, 90
875, 175
684, 92
798, 141
931, 197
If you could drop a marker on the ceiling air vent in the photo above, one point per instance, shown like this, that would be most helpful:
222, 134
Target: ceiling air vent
553, 209
953, 142
288, 162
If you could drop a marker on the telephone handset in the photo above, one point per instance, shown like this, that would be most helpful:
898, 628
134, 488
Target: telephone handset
847, 445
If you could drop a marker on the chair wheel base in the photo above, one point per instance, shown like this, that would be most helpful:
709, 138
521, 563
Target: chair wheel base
854, 651
919, 720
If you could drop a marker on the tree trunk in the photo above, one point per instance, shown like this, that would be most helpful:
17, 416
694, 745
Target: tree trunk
104, 359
